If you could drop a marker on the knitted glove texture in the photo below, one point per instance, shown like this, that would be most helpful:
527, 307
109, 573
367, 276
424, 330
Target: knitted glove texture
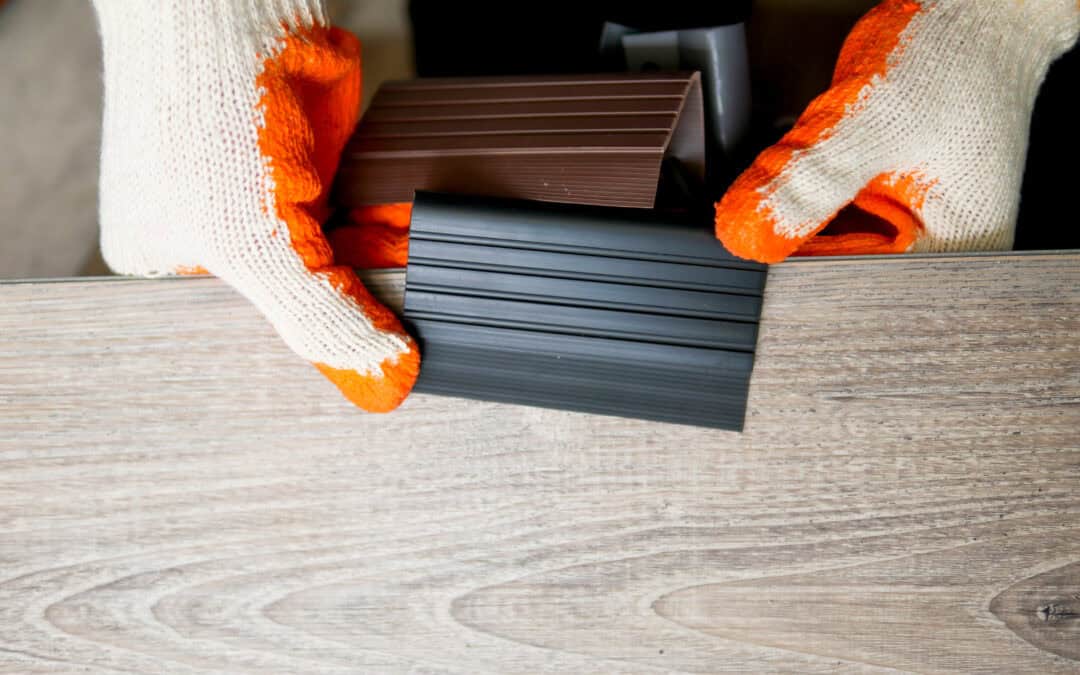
223, 126
919, 144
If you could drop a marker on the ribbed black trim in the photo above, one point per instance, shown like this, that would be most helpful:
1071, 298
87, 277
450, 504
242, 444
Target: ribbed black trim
612, 311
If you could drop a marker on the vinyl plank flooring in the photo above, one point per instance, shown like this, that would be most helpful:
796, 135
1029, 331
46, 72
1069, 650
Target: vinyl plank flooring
179, 494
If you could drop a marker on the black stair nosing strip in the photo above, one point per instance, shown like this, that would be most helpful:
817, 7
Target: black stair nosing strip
749, 287
696, 332
645, 397
443, 253
725, 421
644, 282
547, 303
584, 266
516, 346
562, 247
557, 247
718, 417
544, 300
582, 308
425, 296
727, 417
658, 394
612, 387
487, 363
693, 367
602, 349
605, 228
640, 336
604, 295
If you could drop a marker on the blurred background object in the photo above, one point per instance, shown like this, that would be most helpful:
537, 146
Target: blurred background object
50, 126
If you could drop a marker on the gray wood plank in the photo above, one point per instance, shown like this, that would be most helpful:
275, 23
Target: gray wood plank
179, 494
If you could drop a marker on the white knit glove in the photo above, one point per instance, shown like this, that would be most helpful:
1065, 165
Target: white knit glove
923, 136
224, 121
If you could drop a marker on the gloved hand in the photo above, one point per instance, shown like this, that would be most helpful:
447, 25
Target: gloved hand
224, 122
919, 145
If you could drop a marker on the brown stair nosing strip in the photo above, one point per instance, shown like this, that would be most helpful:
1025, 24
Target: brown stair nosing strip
574, 139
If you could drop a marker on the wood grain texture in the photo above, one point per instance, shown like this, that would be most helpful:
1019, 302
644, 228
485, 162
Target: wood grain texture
179, 494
